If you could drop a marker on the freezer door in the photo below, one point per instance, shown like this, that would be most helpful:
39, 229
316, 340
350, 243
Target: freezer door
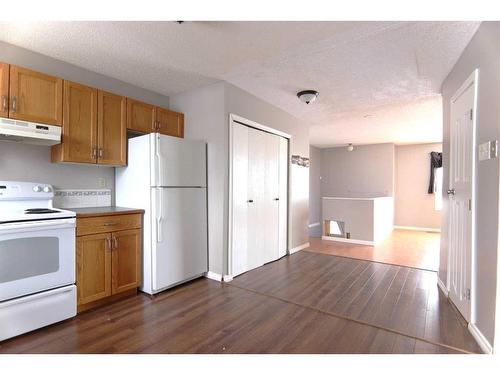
177, 162
179, 235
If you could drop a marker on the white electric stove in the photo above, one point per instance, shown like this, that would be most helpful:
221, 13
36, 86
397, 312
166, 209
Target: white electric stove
37, 259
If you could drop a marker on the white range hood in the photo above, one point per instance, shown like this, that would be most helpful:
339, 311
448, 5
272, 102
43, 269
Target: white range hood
29, 132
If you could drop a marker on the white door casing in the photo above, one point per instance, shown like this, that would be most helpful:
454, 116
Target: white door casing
461, 197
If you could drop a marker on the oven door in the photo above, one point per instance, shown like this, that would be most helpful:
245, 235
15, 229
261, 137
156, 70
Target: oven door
36, 256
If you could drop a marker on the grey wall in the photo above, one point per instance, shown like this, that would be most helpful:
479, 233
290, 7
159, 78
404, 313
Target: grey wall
204, 119
414, 207
207, 117
483, 53
315, 191
367, 171
243, 104
32, 163
27, 59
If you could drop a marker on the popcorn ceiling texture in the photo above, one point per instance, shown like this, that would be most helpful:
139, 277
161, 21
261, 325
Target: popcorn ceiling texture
391, 71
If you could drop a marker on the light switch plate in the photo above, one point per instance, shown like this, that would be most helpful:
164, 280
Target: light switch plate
488, 150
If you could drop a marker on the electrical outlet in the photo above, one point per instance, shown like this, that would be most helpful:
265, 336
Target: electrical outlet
101, 182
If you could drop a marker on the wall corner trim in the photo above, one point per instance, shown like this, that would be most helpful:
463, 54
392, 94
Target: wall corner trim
213, 276
442, 286
298, 248
480, 339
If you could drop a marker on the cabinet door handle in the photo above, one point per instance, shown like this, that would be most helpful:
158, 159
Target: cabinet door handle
100, 153
250, 201
115, 242
159, 125
108, 242
14, 104
109, 224
5, 103
276, 199
93, 153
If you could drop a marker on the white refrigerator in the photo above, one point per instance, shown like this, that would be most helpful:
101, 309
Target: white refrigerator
166, 176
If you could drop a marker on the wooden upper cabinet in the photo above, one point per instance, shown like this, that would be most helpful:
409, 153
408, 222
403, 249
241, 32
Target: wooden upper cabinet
79, 131
4, 89
112, 129
35, 96
170, 122
140, 116
126, 260
93, 260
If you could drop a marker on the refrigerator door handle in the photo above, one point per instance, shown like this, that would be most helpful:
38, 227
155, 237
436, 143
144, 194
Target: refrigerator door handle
159, 217
159, 180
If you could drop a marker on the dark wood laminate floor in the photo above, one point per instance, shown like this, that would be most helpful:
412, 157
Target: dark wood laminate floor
399, 299
293, 309
207, 317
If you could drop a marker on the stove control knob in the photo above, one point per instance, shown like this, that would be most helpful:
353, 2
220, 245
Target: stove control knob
37, 188
47, 189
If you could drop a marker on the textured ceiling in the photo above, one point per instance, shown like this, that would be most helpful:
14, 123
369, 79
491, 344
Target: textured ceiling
389, 71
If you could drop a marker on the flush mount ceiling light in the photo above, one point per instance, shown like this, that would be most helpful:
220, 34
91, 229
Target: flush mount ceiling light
350, 147
307, 96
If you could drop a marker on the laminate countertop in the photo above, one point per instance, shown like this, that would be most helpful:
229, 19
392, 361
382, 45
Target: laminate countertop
105, 211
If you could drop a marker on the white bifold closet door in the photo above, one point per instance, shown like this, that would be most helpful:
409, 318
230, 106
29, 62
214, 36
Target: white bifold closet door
260, 180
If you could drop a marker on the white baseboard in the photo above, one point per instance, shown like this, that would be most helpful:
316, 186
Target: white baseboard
420, 229
314, 225
348, 240
480, 339
213, 276
227, 278
442, 286
298, 248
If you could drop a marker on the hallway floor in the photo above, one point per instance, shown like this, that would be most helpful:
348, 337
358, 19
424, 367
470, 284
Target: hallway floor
403, 248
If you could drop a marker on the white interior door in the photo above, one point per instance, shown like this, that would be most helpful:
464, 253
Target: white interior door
259, 198
270, 204
283, 197
240, 205
461, 196
257, 205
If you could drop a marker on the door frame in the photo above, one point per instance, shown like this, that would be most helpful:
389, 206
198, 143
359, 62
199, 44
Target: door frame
252, 124
473, 79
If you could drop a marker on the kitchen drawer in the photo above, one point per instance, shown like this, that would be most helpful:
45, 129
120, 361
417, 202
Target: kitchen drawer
105, 224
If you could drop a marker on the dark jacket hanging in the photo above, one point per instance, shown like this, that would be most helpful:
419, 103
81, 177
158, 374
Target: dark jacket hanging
436, 162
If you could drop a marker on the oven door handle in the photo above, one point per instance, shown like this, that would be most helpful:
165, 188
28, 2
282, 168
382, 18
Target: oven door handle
29, 225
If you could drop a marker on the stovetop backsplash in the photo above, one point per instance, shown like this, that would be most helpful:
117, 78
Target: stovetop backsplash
79, 198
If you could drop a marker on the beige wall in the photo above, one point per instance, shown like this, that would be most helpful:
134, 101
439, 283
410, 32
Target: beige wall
482, 53
414, 207
367, 171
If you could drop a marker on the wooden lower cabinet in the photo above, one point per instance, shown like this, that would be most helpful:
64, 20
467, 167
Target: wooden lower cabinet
125, 260
107, 264
93, 259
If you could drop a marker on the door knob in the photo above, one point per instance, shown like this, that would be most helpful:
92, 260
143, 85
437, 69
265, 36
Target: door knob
451, 191
250, 201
